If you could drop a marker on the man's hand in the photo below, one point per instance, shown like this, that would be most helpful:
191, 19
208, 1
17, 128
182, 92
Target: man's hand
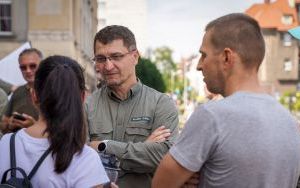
16, 123
113, 185
193, 182
159, 135
110, 185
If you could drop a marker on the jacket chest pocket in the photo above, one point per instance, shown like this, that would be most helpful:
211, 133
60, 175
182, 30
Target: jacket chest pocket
137, 132
100, 131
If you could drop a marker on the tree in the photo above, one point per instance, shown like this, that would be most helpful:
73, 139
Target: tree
291, 100
163, 59
165, 63
148, 73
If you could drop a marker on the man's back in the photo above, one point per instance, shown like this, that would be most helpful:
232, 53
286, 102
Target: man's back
245, 140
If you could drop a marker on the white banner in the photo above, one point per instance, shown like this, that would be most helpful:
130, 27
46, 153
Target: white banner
9, 66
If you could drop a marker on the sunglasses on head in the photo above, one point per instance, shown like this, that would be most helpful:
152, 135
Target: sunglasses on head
30, 66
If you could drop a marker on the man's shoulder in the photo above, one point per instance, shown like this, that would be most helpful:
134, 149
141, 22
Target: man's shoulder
151, 92
20, 92
241, 103
95, 96
97, 92
21, 87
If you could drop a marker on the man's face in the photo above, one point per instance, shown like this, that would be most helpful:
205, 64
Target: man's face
120, 67
210, 65
28, 65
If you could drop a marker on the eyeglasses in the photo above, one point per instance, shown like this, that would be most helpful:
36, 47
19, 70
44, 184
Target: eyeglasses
113, 58
30, 66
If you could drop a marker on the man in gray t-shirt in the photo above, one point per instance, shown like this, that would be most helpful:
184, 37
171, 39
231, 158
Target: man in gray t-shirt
246, 139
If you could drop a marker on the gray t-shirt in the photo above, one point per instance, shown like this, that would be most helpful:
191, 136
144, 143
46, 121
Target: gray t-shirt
244, 140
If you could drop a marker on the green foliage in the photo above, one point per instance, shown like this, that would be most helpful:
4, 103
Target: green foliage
148, 73
291, 100
163, 58
165, 63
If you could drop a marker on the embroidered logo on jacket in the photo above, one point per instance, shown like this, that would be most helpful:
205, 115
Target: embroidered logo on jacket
143, 118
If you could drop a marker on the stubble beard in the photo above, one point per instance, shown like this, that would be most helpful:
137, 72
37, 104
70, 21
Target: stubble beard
119, 82
218, 86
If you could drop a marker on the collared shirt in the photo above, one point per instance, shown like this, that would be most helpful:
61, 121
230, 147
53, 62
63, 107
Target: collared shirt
127, 124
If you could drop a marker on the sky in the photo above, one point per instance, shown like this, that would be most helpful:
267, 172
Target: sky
179, 24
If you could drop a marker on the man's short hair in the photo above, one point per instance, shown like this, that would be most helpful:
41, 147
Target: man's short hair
29, 51
115, 32
240, 33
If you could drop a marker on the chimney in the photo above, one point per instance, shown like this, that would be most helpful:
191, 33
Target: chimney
267, 1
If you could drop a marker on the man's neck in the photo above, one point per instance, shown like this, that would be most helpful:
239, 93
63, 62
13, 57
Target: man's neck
243, 82
122, 91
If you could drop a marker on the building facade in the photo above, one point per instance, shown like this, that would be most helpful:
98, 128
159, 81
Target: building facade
279, 71
131, 14
56, 27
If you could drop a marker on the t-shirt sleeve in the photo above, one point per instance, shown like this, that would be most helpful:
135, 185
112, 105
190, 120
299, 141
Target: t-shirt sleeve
197, 141
89, 171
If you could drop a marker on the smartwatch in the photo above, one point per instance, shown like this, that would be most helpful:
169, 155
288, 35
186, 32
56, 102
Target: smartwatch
102, 146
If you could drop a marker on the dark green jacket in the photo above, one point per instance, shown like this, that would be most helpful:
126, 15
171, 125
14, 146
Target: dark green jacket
127, 124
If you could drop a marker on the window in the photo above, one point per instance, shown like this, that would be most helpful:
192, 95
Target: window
291, 3
5, 17
102, 4
287, 65
286, 39
287, 19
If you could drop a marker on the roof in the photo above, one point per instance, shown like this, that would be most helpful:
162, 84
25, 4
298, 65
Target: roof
272, 15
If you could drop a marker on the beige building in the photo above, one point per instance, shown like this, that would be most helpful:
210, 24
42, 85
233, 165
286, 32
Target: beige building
63, 27
129, 13
279, 71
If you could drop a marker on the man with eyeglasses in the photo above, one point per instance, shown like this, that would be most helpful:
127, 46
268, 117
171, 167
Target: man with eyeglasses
127, 119
20, 111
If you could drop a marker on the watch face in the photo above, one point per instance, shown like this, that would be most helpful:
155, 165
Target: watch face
101, 146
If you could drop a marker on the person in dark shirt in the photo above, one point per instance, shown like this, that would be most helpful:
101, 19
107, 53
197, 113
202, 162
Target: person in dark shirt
20, 111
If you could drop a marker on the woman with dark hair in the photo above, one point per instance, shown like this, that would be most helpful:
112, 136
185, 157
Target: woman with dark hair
58, 93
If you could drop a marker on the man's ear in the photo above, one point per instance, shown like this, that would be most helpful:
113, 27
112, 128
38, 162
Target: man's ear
228, 58
136, 56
